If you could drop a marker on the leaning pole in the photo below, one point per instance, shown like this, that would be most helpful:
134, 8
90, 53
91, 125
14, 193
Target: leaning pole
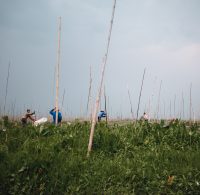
101, 83
138, 107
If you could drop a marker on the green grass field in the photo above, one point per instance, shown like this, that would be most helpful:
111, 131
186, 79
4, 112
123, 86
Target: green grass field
146, 158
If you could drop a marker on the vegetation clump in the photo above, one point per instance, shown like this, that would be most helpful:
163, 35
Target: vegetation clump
142, 158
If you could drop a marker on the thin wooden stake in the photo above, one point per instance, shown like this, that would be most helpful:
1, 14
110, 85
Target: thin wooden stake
174, 106
108, 106
140, 94
4, 108
190, 102
105, 106
58, 69
13, 110
132, 114
151, 101
54, 84
89, 92
101, 83
158, 108
183, 106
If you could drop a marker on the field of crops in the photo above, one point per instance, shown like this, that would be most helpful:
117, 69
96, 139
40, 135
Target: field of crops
146, 158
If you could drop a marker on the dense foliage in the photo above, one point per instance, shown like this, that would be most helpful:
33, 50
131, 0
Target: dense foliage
142, 158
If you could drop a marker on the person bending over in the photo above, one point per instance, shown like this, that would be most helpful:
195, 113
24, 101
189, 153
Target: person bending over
101, 115
27, 116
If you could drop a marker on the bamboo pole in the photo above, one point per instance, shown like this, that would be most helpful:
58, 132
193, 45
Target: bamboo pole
101, 83
13, 110
4, 108
183, 106
54, 85
190, 102
175, 106
105, 105
170, 109
8, 75
132, 114
158, 106
57, 70
153, 112
89, 92
140, 94
108, 106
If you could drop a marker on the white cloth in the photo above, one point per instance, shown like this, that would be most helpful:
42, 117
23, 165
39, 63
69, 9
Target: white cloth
40, 121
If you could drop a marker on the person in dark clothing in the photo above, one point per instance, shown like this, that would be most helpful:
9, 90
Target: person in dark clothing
101, 115
53, 113
27, 116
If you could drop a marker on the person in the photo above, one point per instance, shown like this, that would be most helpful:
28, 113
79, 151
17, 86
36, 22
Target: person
53, 113
101, 115
27, 116
145, 117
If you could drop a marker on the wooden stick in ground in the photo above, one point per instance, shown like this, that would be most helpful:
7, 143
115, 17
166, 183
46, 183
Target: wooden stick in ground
158, 108
105, 106
101, 83
140, 94
89, 93
57, 70
190, 102
174, 106
13, 110
151, 102
183, 107
4, 108
108, 106
130, 103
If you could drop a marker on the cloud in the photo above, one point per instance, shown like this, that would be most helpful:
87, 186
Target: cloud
160, 35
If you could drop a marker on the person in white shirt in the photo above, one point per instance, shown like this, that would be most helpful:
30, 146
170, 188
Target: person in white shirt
144, 117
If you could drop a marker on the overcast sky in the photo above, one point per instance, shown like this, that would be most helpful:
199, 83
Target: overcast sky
163, 36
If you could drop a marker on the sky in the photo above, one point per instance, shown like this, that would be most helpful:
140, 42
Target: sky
161, 36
